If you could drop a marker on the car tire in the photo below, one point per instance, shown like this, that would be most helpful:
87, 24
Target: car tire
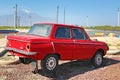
49, 63
97, 60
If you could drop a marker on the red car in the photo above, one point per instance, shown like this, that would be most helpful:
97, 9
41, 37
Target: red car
50, 42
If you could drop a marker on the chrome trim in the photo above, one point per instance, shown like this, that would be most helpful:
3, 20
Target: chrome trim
53, 46
20, 51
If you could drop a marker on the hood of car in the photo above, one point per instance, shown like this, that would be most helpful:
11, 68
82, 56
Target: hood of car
98, 42
29, 38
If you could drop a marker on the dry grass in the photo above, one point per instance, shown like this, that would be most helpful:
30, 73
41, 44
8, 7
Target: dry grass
113, 42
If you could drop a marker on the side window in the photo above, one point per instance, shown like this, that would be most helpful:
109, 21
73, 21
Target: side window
79, 34
62, 32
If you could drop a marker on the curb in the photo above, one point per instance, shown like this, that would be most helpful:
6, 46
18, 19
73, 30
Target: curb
9, 62
113, 52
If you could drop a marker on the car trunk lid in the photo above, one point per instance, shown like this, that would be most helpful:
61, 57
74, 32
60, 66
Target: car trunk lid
21, 41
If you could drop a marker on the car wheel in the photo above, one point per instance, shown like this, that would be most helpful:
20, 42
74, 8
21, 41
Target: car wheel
25, 60
97, 60
49, 63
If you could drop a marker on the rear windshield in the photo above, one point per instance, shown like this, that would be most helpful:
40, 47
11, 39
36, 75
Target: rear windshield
41, 30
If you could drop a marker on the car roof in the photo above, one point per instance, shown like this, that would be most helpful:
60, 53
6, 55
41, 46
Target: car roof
58, 24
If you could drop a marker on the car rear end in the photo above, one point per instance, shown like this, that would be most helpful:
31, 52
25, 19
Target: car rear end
19, 47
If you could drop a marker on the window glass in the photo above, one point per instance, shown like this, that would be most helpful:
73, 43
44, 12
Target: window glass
79, 34
41, 30
62, 32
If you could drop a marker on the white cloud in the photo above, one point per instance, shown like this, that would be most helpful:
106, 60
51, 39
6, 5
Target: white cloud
26, 11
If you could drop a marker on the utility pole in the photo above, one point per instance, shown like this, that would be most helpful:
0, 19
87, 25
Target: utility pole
30, 20
64, 15
118, 16
7, 21
57, 14
15, 16
86, 21
18, 24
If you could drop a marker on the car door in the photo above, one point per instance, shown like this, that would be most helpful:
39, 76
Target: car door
82, 45
63, 42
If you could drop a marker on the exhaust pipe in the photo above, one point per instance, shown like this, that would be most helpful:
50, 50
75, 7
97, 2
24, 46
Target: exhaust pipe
3, 52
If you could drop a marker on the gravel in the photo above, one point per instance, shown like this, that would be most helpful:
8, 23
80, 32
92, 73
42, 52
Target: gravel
67, 70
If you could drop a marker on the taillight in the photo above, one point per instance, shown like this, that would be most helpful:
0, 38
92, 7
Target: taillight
28, 47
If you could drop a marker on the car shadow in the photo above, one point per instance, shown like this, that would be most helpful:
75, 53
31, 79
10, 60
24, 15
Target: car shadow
71, 69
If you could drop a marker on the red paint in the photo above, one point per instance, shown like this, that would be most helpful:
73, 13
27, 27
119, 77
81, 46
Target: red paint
68, 49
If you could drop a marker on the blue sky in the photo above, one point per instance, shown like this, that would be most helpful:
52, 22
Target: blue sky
99, 12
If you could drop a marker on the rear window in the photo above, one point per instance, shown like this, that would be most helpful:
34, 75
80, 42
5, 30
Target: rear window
41, 30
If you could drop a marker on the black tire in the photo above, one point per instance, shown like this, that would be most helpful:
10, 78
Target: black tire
25, 60
97, 60
49, 63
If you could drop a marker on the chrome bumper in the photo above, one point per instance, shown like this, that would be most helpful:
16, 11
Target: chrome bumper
20, 51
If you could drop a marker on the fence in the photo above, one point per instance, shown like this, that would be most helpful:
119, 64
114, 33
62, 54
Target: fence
94, 33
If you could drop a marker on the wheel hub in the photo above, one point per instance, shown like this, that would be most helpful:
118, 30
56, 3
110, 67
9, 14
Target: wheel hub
98, 59
51, 63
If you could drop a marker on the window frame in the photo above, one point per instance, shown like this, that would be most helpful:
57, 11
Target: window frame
62, 37
83, 32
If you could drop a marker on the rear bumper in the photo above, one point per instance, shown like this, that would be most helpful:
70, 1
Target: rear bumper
20, 51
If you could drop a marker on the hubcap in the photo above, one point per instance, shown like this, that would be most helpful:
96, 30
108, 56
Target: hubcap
51, 63
98, 59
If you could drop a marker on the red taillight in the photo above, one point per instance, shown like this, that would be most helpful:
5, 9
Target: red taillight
28, 47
